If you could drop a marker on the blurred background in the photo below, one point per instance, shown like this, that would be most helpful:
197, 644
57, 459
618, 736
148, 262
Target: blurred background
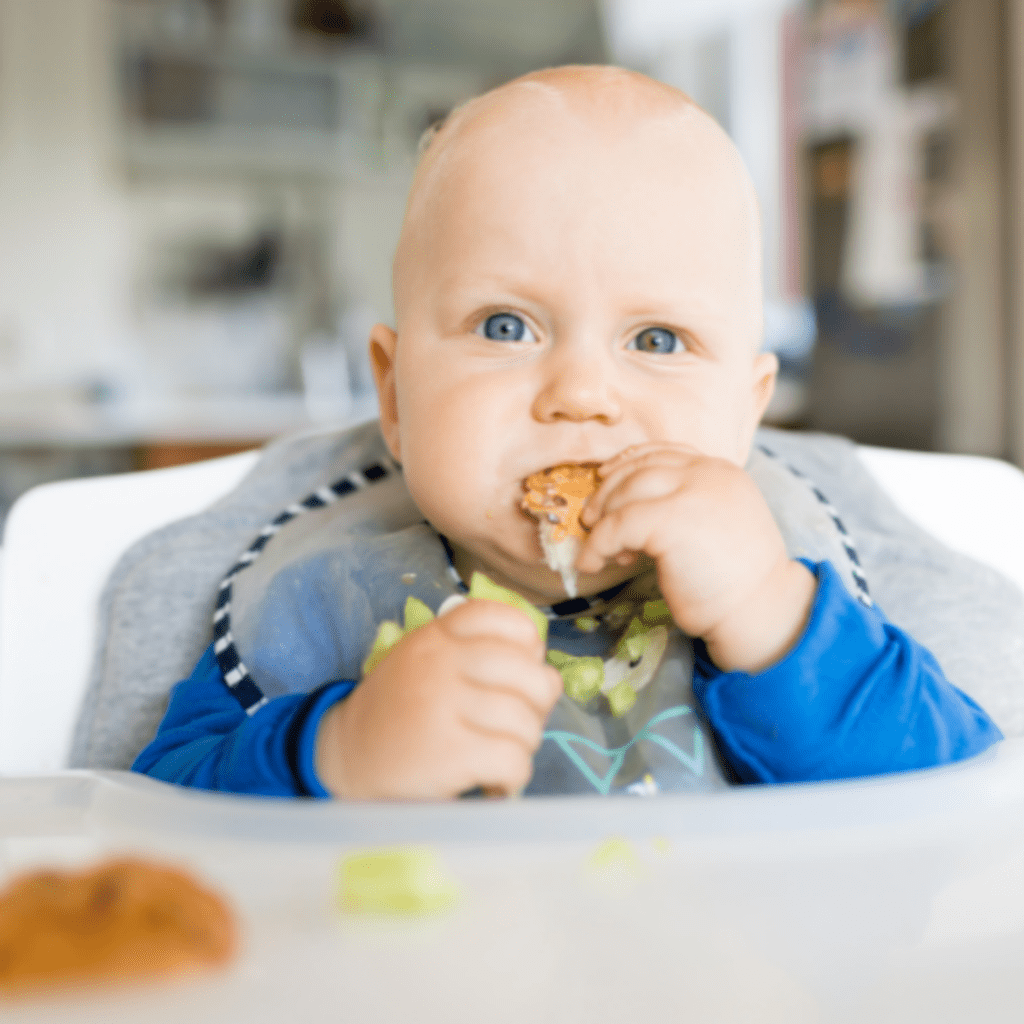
199, 200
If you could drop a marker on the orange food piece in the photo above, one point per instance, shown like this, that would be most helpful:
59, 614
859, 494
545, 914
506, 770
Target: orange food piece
557, 495
123, 921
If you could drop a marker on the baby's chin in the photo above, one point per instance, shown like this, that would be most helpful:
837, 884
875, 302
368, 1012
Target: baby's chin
544, 586
510, 555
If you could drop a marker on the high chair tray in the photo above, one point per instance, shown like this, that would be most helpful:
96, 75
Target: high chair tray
885, 900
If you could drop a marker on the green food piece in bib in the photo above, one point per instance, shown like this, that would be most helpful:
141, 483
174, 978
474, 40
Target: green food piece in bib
406, 880
416, 614
582, 678
587, 624
558, 658
618, 614
480, 586
621, 698
633, 642
656, 613
388, 634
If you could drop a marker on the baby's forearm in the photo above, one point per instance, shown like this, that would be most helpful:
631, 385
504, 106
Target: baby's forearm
766, 623
857, 696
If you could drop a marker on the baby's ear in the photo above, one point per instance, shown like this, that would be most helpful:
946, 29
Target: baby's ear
766, 369
383, 343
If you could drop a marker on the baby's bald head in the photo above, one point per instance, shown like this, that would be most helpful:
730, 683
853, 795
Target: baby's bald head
578, 273
528, 123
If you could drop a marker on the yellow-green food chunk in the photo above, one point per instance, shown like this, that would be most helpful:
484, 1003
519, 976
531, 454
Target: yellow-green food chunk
621, 698
615, 852
407, 880
388, 634
558, 658
618, 614
416, 614
656, 613
582, 678
480, 586
633, 642
586, 624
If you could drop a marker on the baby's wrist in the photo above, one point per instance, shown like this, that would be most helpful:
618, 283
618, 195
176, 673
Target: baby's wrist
329, 753
767, 624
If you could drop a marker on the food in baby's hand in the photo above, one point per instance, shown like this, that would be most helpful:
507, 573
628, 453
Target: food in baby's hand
417, 614
480, 586
407, 880
555, 498
388, 634
124, 921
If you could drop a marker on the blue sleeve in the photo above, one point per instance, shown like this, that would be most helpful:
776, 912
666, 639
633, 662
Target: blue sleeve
855, 697
207, 741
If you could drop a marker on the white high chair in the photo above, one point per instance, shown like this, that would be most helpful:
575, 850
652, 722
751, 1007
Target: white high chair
885, 899
62, 540
60, 543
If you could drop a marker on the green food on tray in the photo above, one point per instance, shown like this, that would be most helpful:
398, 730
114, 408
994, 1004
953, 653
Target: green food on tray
402, 880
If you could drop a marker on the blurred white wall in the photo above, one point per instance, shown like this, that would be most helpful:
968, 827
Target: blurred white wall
63, 258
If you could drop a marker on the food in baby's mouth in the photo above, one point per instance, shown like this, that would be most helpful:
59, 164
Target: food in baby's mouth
123, 921
555, 498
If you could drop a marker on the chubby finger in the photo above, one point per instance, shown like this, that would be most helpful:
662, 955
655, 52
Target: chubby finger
639, 452
652, 478
495, 666
500, 764
667, 461
504, 714
647, 485
622, 533
480, 618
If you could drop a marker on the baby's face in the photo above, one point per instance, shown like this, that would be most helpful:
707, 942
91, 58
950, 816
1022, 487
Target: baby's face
567, 285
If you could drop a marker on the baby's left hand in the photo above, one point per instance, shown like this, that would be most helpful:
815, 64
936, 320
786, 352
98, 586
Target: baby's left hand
722, 564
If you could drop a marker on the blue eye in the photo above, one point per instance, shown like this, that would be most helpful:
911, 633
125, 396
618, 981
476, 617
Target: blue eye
657, 340
505, 327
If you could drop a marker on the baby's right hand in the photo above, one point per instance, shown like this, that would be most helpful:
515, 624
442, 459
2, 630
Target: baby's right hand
456, 704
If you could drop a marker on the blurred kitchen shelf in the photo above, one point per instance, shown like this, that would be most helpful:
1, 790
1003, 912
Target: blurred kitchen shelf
222, 421
207, 109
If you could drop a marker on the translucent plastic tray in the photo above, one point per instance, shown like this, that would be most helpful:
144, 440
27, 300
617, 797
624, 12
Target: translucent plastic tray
899, 899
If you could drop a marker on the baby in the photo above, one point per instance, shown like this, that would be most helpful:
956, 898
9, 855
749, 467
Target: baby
577, 282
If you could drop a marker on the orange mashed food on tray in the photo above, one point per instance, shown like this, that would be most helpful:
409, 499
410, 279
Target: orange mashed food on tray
121, 922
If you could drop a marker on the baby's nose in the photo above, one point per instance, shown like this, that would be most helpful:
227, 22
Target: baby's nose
578, 390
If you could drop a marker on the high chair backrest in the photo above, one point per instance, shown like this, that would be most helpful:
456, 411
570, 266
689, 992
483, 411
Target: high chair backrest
62, 540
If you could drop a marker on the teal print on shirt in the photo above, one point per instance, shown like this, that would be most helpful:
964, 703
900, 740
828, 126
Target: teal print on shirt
565, 741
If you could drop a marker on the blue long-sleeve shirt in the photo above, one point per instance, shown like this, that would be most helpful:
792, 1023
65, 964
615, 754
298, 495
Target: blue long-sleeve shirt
856, 696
